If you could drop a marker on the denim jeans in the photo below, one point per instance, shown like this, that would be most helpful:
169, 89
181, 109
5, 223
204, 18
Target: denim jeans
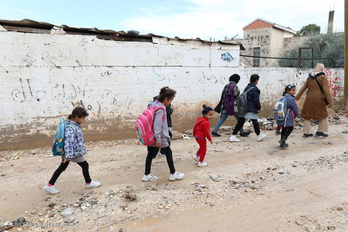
222, 119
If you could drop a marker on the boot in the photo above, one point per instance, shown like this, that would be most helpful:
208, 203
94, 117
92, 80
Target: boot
282, 142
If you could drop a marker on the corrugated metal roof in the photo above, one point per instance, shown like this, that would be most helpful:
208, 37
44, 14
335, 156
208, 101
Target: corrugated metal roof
31, 26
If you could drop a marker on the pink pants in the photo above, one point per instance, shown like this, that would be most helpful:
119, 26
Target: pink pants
202, 148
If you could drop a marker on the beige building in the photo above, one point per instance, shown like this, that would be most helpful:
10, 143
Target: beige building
264, 41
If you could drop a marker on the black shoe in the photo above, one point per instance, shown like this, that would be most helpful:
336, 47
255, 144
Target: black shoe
281, 142
283, 145
307, 135
213, 133
322, 134
245, 133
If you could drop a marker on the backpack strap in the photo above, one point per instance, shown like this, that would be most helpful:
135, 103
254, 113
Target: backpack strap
249, 89
160, 107
321, 89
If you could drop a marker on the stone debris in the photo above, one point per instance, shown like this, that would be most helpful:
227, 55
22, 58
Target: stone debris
6, 226
129, 194
176, 135
217, 178
67, 212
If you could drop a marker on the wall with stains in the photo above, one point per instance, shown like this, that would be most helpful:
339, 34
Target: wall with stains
43, 76
273, 81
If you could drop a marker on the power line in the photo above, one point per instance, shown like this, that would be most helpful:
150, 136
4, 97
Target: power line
283, 58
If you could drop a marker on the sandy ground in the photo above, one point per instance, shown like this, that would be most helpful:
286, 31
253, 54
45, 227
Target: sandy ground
247, 186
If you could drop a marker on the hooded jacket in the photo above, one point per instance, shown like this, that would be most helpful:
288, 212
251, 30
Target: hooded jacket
201, 129
160, 128
253, 97
291, 106
74, 144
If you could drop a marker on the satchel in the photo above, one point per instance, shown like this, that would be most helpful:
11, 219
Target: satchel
217, 109
321, 89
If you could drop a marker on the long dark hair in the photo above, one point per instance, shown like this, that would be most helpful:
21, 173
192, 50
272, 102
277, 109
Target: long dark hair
78, 112
288, 88
166, 92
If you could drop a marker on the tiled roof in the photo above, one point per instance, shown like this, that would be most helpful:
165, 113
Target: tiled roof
261, 23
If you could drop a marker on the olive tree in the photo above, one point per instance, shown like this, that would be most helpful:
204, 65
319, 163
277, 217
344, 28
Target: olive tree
327, 49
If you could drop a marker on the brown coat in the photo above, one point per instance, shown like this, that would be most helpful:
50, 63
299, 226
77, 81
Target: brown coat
314, 106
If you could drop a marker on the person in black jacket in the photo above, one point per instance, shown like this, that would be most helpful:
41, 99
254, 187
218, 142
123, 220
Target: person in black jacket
254, 107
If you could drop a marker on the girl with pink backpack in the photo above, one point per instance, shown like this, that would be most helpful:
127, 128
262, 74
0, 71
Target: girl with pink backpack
162, 138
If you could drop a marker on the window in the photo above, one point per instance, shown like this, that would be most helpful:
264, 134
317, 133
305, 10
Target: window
256, 60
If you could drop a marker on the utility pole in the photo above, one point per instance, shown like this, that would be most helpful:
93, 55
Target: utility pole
346, 55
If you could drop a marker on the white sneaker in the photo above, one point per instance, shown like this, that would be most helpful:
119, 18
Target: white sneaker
202, 164
149, 177
176, 176
234, 138
51, 190
93, 184
195, 158
261, 137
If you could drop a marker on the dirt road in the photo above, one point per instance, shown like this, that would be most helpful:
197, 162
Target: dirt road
247, 186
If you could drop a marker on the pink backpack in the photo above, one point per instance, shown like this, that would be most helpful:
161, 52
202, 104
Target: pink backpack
144, 125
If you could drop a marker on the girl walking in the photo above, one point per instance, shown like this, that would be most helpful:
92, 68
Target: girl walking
162, 137
201, 132
292, 111
220, 108
74, 147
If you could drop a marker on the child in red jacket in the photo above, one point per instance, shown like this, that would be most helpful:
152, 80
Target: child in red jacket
201, 132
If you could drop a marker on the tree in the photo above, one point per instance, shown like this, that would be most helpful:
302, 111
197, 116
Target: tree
327, 49
310, 29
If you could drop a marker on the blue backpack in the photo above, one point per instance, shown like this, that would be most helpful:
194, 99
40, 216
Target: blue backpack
229, 101
280, 109
59, 138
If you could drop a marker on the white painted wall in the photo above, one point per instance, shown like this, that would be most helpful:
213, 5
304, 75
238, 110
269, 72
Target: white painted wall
44, 75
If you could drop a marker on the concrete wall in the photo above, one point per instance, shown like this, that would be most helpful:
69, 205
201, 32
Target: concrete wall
276, 47
44, 76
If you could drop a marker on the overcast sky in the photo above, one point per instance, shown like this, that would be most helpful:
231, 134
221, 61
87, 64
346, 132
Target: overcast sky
183, 18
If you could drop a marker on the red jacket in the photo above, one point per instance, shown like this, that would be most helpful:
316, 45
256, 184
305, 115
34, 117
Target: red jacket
201, 128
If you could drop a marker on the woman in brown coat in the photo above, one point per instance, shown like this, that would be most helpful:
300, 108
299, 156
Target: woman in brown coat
315, 105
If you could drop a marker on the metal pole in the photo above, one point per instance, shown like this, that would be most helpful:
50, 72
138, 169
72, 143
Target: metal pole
299, 56
312, 58
346, 55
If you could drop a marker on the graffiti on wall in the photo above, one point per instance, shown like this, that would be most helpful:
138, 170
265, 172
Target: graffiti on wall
109, 102
227, 57
333, 82
30, 58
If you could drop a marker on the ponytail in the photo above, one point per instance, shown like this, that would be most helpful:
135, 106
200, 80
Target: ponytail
166, 92
288, 88
78, 112
206, 110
